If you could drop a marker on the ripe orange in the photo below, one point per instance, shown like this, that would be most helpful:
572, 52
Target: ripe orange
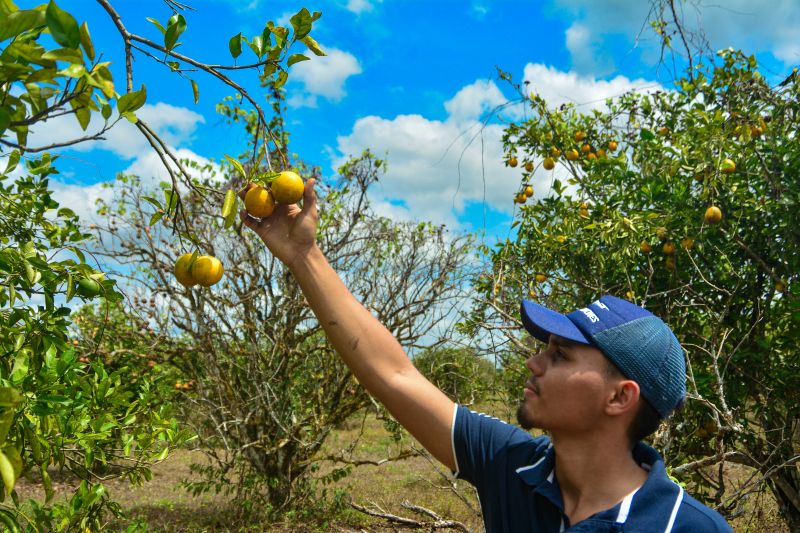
713, 215
586, 148
549, 163
780, 286
528, 191
572, 154
555, 152
288, 187
529, 166
668, 248
669, 262
591, 156
579, 136
612, 145
644, 246
541, 278
207, 270
601, 153
259, 202
662, 232
687, 243
756, 131
727, 166
663, 130
520, 198
512, 162
183, 272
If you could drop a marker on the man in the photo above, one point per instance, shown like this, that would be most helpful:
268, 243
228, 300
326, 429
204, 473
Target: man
610, 373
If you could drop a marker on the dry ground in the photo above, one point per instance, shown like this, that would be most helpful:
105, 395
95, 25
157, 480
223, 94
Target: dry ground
165, 507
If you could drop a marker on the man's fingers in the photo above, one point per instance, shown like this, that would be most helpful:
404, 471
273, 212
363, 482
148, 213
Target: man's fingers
309, 197
244, 190
247, 220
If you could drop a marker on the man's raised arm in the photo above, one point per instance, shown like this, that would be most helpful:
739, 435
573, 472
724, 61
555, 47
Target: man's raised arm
373, 354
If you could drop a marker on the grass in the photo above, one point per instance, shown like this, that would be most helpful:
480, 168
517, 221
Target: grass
163, 506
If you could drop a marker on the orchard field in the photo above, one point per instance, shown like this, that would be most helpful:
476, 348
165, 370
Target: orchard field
161, 371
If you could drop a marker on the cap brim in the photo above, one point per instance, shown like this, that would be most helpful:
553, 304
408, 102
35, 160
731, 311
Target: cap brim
542, 322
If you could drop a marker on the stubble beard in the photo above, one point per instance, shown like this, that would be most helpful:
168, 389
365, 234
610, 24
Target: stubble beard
524, 418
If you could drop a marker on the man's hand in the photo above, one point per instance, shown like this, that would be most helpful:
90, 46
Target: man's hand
289, 232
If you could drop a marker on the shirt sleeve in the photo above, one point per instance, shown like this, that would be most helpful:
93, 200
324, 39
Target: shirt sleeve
485, 446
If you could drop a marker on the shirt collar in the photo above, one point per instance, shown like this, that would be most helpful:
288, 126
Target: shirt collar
657, 497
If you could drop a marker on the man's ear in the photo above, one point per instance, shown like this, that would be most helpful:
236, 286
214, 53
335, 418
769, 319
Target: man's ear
624, 397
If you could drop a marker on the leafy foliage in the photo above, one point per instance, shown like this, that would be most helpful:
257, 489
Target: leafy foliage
627, 216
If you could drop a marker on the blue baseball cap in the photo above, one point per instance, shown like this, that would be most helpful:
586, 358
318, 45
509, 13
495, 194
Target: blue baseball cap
639, 343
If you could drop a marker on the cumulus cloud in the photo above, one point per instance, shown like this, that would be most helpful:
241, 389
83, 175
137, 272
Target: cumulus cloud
361, 6
438, 167
175, 125
324, 77
598, 28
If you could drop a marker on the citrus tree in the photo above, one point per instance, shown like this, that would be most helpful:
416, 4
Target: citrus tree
684, 201
59, 406
268, 387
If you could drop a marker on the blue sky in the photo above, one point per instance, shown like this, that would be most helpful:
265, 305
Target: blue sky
409, 78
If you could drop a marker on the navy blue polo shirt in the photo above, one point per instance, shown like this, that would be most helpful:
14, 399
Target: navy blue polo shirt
515, 477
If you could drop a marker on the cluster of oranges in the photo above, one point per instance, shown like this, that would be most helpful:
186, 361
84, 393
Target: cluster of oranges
286, 188
259, 201
184, 386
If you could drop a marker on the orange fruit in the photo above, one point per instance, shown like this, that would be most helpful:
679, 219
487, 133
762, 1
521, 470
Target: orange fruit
663, 130
555, 152
687, 243
512, 162
668, 248
591, 156
259, 202
528, 191
529, 166
601, 153
541, 278
661, 233
579, 136
644, 246
288, 187
586, 148
520, 198
727, 166
584, 213
756, 131
549, 163
612, 145
713, 215
548, 136
183, 272
207, 270
780, 286
572, 154
669, 262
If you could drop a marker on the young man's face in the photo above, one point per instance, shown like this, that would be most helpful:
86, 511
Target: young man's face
567, 390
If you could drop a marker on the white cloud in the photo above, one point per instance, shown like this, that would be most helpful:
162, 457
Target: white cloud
597, 27
361, 6
558, 87
175, 125
437, 167
82, 199
324, 76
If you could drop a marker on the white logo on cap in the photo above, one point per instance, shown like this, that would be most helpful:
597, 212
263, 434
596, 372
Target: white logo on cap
590, 315
601, 305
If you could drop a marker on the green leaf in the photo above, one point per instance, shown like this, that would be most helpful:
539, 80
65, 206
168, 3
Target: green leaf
73, 71
301, 22
7, 472
646, 134
235, 45
156, 217
257, 46
5, 121
19, 22
195, 91
237, 165
62, 26
70, 55
132, 101
296, 58
158, 25
155, 203
229, 203
312, 45
130, 117
86, 41
282, 77
175, 27
106, 111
